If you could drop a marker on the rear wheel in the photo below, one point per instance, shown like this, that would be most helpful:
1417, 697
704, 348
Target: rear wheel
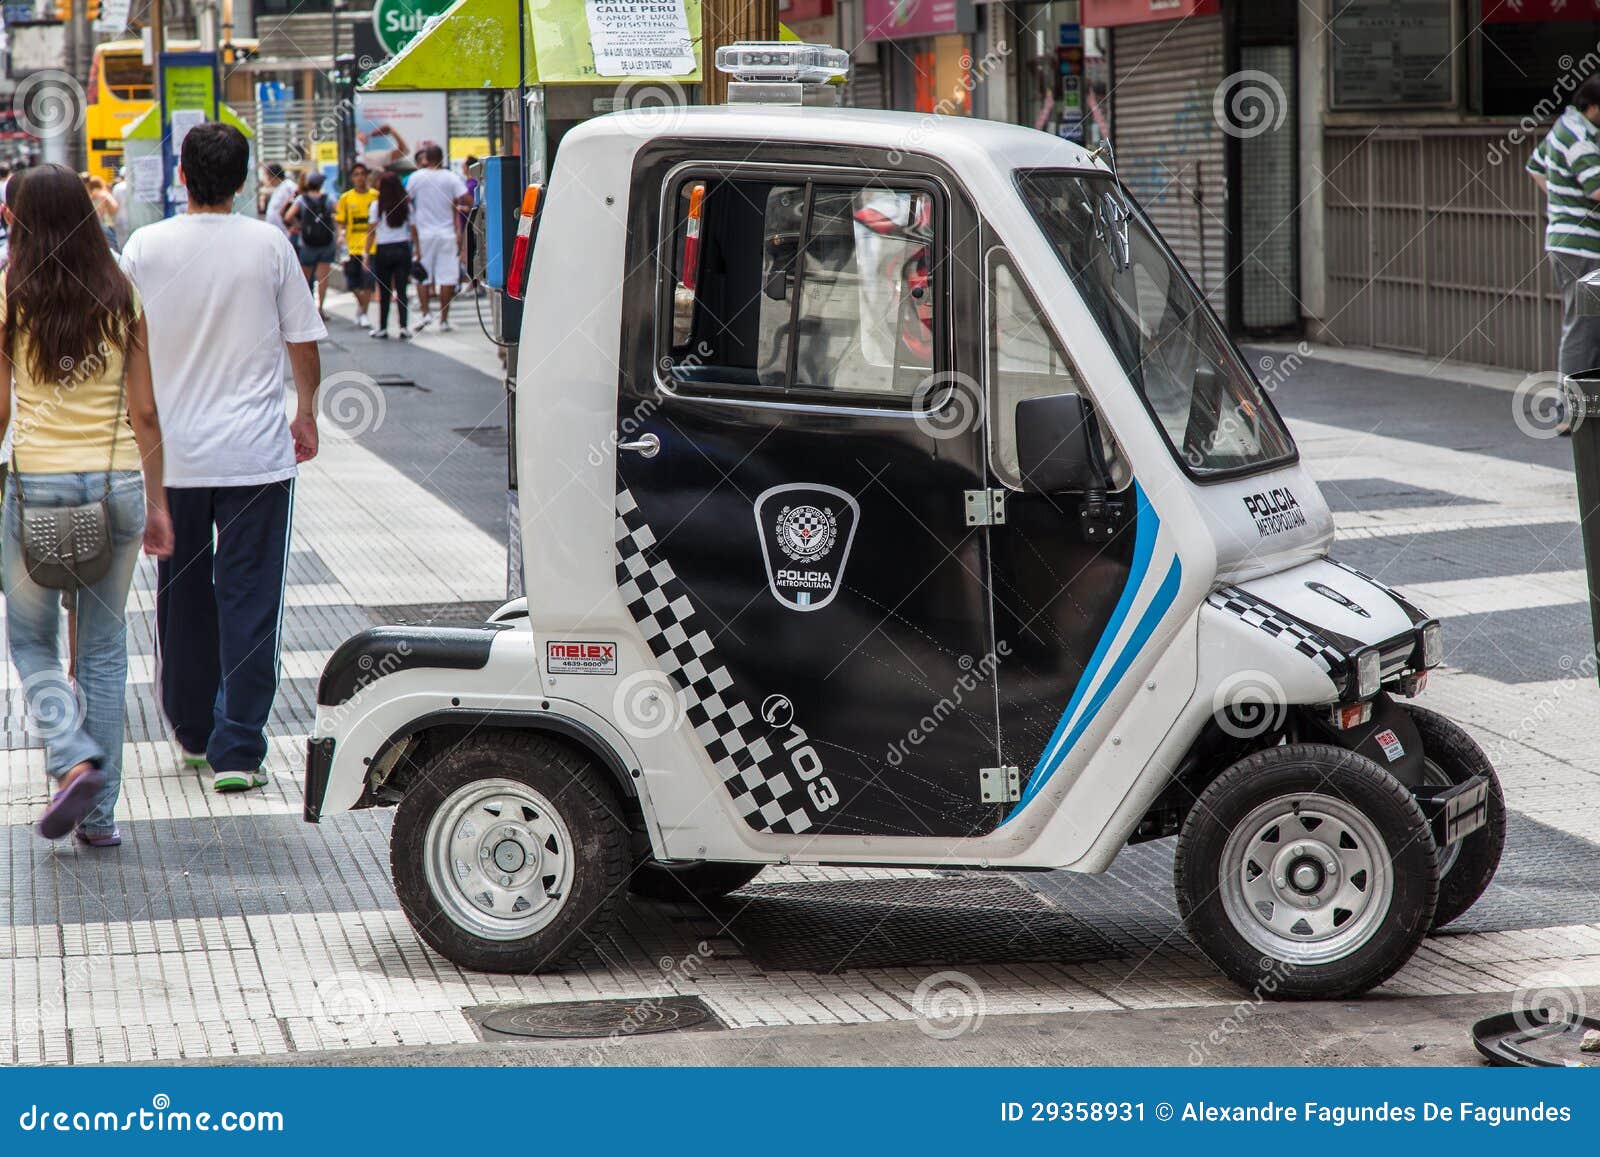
695, 880
509, 852
1306, 872
1451, 756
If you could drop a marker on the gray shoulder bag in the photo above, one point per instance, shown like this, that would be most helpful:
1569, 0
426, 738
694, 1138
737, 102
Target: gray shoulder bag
68, 547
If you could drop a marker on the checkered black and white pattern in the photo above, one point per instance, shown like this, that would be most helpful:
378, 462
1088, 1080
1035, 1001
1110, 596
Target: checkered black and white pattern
722, 721
1276, 623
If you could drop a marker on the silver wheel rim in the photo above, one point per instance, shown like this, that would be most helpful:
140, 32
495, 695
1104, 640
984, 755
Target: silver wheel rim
1306, 879
498, 859
1433, 775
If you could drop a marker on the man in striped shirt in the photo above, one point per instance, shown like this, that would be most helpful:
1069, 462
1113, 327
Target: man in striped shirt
1566, 165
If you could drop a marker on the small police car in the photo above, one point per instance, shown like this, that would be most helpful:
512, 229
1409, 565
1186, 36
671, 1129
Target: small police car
891, 496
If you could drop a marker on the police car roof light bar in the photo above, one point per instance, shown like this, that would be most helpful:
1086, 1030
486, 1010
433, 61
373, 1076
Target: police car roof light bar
782, 62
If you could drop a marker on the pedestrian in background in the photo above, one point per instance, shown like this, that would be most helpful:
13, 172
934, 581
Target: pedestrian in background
74, 351
353, 216
227, 306
1566, 165
391, 239
438, 199
281, 191
310, 219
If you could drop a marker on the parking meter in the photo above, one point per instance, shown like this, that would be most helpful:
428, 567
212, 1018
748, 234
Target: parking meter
1583, 399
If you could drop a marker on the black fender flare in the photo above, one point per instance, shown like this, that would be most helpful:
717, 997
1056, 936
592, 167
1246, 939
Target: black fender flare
551, 722
1399, 751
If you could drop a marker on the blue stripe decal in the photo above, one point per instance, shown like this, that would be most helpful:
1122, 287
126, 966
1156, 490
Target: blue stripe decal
1062, 741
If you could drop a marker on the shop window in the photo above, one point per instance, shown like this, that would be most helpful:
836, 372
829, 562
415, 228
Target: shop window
823, 289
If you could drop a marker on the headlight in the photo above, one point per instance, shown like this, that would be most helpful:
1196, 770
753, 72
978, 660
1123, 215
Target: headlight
1369, 673
1432, 645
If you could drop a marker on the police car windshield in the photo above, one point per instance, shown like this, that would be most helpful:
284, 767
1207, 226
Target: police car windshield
1212, 410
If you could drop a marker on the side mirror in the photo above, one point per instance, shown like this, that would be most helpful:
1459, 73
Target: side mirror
1058, 446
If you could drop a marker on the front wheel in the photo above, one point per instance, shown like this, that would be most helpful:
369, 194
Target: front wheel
1306, 872
509, 852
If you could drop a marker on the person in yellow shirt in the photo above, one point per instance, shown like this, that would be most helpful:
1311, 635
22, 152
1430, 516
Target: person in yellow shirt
351, 216
73, 351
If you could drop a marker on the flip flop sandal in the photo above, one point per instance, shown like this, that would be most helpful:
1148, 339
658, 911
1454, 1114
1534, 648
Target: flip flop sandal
71, 804
110, 839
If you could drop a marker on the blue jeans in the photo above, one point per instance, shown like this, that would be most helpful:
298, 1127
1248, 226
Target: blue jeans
86, 722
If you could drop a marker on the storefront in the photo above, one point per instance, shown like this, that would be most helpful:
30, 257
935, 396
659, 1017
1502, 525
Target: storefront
926, 52
1062, 80
1432, 233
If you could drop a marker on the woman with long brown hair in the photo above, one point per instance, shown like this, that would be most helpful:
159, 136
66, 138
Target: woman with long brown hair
73, 352
391, 240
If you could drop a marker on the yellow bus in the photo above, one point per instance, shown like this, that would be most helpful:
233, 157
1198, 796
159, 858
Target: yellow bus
120, 90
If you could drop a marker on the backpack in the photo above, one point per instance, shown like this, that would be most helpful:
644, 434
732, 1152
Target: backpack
316, 229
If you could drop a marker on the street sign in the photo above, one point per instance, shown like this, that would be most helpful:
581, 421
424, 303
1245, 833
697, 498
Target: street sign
398, 21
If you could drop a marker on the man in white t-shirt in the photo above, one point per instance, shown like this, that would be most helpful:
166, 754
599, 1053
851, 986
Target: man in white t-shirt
438, 200
228, 309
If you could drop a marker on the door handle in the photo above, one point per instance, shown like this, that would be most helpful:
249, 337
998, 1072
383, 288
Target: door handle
646, 446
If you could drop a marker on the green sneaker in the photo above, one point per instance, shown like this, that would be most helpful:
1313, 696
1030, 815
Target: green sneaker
194, 762
238, 780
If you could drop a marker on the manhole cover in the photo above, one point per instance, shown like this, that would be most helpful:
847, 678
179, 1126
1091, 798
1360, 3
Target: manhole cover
584, 1019
838, 925
431, 614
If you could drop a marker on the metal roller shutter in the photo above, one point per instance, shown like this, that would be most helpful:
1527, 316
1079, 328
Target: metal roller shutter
864, 88
1169, 146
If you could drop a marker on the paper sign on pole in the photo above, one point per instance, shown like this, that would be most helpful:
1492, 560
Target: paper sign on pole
640, 37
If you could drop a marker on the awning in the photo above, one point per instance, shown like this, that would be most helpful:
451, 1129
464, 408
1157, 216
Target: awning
473, 45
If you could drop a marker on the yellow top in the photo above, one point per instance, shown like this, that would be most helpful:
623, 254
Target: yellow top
65, 425
353, 212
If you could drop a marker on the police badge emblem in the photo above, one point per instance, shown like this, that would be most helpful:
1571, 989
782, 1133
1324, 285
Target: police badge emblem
805, 531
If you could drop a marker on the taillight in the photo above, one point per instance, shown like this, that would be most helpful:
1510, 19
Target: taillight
517, 275
691, 237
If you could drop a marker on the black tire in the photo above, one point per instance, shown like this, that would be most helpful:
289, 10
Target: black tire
580, 794
698, 880
1381, 939
1470, 869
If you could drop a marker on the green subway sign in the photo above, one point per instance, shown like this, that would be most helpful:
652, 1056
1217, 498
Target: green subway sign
398, 21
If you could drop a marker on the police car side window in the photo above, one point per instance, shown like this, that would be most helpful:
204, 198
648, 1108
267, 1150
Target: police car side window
1025, 361
820, 289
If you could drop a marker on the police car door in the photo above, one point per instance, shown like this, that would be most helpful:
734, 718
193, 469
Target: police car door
793, 530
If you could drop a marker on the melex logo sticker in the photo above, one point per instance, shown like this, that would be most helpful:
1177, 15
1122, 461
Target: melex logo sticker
1275, 511
806, 530
579, 658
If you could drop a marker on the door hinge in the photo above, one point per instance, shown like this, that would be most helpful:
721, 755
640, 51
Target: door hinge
986, 507
999, 784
